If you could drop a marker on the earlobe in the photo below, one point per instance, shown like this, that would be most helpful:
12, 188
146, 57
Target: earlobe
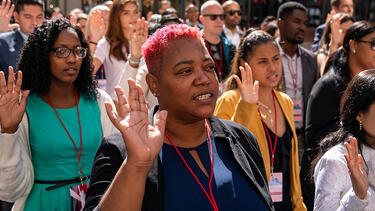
352, 46
359, 117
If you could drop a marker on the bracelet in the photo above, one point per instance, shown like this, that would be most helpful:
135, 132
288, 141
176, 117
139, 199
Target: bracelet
95, 43
133, 61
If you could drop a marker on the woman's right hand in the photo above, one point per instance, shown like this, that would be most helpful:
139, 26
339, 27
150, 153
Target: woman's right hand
11, 109
355, 164
336, 34
143, 141
249, 89
97, 27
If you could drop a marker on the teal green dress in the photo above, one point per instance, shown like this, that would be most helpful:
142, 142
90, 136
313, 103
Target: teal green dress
54, 157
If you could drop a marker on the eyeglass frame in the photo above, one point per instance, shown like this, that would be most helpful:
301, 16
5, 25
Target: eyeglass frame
214, 17
233, 12
372, 43
70, 51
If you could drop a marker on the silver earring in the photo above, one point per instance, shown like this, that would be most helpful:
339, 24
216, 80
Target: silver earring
354, 51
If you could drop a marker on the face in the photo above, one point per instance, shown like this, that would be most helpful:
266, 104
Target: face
56, 15
346, 6
365, 55
187, 85
29, 18
368, 123
65, 70
212, 26
129, 15
192, 14
163, 7
233, 14
265, 63
82, 25
294, 26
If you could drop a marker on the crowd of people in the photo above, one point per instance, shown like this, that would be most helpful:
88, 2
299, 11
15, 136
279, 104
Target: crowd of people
113, 111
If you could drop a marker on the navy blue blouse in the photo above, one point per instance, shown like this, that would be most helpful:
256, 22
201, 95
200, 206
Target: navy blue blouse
230, 187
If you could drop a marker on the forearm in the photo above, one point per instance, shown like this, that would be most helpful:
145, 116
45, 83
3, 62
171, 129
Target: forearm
126, 190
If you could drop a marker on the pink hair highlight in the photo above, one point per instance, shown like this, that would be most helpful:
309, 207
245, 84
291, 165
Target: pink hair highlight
153, 47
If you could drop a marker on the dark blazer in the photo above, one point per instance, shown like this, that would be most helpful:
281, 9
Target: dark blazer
112, 153
309, 76
317, 37
11, 44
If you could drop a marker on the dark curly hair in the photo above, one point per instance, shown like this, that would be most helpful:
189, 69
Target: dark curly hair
358, 97
35, 65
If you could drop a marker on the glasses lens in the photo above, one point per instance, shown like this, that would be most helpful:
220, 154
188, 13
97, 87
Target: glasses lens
80, 52
232, 12
373, 45
62, 52
214, 17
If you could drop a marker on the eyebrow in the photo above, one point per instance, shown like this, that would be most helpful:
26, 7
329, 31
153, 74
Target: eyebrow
190, 61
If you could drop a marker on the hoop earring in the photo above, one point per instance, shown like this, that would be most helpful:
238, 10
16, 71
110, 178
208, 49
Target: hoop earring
360, 125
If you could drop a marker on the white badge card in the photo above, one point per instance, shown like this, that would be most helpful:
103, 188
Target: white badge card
276, 186
221, 88
297, 110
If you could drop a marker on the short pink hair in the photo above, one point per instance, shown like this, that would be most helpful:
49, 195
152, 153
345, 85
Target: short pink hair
153, 47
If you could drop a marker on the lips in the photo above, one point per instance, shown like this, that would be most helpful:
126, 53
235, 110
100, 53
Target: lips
204, 97
71, 70
273, 77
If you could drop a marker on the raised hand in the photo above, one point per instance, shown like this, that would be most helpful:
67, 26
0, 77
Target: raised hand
143, 141
336, 33
138, 35
97, 26
11, 109
6, 11
355, 164
249, 89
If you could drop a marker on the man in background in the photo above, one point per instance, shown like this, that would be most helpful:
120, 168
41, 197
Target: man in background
233, 16
28, 14
338, 6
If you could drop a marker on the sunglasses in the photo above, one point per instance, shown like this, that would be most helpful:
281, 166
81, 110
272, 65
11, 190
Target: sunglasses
372, 43
232, 12
62, 52
214, 17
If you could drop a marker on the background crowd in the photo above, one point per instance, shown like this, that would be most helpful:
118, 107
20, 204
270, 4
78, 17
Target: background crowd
84, 87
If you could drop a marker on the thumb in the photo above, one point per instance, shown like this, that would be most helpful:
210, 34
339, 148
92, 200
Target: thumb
160, 120
25, 94
13, 26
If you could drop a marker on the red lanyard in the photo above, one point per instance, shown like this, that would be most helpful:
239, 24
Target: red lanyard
273, 148
211, 196
80, 131
294, 79
213, 57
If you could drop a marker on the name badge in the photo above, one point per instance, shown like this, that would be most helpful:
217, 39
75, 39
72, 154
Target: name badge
276, 186
297, 110
102, 83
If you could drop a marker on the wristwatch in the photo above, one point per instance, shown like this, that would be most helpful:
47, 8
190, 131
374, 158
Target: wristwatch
133, 61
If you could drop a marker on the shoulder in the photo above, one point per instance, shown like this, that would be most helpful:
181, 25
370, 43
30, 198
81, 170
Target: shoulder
225, 41
103, 96
233, 94
284, 97
7, 35
306, 52
113, 144
329, 80
233, 129
334, 156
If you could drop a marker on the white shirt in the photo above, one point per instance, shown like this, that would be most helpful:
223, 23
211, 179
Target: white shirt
235, 38
113, 68
334, 189
292, 72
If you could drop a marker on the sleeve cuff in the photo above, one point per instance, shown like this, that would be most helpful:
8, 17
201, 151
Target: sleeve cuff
350, 201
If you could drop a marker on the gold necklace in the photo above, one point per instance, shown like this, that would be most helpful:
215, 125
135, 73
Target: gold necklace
268, 113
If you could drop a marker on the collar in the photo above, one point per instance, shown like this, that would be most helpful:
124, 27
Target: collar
218, 129
24, 36
282, 53
368, 153
228, 31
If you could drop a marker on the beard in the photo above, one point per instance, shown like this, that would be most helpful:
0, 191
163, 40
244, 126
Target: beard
295, 41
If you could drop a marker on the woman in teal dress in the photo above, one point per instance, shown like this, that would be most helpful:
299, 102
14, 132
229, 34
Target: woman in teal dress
52, 119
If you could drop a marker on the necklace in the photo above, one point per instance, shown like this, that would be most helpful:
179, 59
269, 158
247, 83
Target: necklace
267, 114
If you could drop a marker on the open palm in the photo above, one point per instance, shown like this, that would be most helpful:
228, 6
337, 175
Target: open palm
249, 89
138, 35
6, 11
355, 164
143, 141
11, 109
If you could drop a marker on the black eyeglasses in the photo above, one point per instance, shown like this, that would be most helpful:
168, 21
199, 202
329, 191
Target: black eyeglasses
214, 17
372, 43
232, 12
63, 52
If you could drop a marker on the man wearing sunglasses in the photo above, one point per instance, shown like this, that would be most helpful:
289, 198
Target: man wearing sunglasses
220, 48
232, 18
